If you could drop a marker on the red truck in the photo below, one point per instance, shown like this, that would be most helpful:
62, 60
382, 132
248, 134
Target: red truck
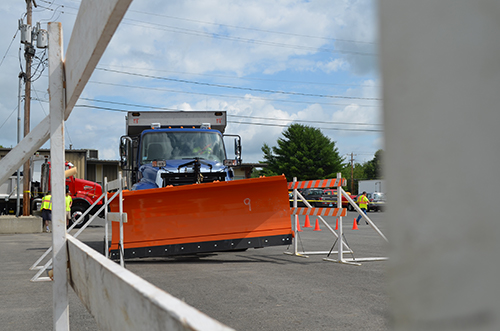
83, 192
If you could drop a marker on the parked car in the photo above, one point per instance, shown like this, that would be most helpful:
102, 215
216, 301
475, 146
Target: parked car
345, 202
377, 201
315, 197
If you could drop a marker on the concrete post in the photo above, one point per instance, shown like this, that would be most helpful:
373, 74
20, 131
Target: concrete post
441, 82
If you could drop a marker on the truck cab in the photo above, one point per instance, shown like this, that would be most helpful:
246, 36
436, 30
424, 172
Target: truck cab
176, 148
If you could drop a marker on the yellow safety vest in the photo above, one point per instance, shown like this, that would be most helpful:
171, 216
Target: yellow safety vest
68, 202
363, 202
47, 202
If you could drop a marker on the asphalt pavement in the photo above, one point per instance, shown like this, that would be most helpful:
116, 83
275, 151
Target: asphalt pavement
257, 289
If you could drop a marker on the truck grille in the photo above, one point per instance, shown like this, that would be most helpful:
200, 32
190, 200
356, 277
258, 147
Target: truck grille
190, 178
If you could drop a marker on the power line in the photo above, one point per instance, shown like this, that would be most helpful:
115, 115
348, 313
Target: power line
241, 78
1, 126
235, 87
241, 39
8, 48
303, 121
285, 126
249, 123
239, 116
227, 96
253, 29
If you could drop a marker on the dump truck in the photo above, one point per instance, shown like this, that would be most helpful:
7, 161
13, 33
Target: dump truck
182, 196
83, 192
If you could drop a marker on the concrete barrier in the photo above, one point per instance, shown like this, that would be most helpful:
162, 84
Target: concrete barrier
22, 224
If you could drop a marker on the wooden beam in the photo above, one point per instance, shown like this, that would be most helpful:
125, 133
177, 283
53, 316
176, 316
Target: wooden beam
57, 178
121, 300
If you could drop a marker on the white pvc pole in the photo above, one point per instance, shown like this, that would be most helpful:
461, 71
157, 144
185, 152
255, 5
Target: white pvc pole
296, 220
356, 207
106, 230
340, 229
122, 249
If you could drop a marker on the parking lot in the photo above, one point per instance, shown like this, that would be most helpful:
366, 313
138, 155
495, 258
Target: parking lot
257, 289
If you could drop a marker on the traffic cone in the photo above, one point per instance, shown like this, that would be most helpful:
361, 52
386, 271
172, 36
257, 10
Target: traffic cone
298, 226
337, 224
355, 225
316, 228
307, 224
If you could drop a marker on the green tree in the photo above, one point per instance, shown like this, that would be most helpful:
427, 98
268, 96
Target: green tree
303, 152
373, 168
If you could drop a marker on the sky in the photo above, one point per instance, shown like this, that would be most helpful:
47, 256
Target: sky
267, 63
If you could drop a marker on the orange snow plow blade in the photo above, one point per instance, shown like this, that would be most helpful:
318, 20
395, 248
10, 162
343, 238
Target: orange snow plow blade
202, 218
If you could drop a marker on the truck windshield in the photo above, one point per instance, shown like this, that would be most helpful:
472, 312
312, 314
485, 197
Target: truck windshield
181, 145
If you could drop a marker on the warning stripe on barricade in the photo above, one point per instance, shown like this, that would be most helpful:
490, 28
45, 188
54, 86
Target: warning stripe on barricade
335, 212
332, 182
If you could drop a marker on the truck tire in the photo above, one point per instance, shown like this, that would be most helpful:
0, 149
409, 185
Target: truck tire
350, 207
76, 212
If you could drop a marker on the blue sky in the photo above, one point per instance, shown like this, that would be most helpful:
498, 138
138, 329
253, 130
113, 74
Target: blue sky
267, 63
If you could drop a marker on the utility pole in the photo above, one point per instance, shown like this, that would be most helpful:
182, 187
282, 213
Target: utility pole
29, 52
352, 173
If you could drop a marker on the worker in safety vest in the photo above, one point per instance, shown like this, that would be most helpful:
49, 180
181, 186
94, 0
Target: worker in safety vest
363, 202
69, 202
46, 211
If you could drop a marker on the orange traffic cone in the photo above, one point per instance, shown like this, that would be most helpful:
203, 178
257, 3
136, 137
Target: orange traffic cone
298, 226
355, 225
316, 228
337, 224
307, 224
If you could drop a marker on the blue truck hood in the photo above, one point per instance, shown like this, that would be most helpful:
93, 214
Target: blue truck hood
151, 175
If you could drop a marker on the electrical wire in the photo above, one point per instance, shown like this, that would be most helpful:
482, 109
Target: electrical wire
8, 48
252, 29
240, 39
234, 87
239, 116
249, 123
42, 61
1, 126
239, 78
322, 128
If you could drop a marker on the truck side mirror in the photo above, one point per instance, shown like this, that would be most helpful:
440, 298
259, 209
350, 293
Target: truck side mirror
237, 151
125, 146
237, 148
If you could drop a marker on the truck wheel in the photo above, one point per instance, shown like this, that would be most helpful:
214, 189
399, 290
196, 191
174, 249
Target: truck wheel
350, 207
76, 213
